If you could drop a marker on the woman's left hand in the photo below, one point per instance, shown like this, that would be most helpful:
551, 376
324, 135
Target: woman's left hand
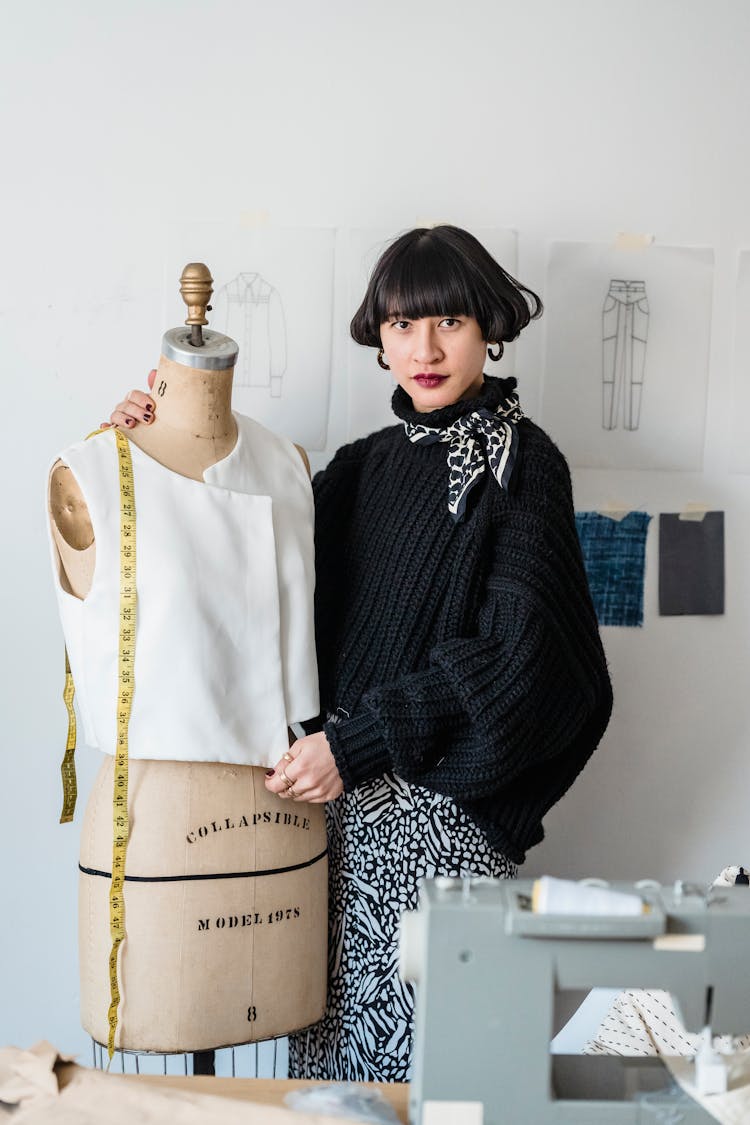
307, 772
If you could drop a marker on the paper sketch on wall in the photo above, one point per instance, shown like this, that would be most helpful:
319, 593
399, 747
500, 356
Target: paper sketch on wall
626, 354
251, 311
370, 388
624, 338
740, 415
273, 294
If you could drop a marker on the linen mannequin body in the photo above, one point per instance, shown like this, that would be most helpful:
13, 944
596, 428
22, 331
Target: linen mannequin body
212, 931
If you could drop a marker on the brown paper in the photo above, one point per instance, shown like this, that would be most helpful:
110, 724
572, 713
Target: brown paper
29, 1082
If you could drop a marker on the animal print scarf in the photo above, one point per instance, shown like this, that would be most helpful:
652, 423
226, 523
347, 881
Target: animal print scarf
476, 440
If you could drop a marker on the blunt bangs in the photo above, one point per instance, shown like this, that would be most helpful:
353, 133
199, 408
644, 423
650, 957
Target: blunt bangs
424, 282
443, 271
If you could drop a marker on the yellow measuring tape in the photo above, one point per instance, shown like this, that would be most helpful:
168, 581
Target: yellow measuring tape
125, 687
68, 764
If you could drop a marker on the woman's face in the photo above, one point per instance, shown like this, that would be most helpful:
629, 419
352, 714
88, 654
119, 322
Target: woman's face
437, 360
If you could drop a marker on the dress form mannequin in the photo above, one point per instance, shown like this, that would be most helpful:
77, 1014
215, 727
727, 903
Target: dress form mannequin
193, 428
225, 893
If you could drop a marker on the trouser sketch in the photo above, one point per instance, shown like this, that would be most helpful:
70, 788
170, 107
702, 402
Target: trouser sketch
624, 335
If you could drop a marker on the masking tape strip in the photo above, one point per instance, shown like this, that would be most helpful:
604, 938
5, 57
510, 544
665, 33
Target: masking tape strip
250, 220
614, 510
626, 240
695, 513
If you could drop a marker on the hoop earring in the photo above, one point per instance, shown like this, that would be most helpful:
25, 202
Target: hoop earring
492, 355
381, 361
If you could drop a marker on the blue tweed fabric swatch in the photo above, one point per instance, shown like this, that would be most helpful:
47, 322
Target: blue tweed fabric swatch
614, 553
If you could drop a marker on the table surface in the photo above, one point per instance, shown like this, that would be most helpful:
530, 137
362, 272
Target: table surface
268, 1091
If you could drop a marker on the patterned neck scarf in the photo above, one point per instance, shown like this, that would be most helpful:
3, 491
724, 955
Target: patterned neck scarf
476, 440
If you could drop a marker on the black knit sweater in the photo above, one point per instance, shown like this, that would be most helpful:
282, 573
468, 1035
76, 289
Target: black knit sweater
464, 657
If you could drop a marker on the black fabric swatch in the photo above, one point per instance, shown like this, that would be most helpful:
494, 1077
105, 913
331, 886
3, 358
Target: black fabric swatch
691, 564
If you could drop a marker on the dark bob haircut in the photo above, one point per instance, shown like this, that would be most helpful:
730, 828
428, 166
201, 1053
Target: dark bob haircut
443, 271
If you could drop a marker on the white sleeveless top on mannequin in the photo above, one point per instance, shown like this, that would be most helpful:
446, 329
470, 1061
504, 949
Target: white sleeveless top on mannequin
225, 651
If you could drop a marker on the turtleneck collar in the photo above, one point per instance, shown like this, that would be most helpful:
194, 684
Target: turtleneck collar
494, 391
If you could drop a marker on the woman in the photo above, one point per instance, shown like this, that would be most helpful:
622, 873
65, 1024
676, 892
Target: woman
463, 683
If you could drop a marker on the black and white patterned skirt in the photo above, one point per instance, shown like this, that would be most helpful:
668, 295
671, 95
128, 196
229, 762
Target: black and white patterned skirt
383, 839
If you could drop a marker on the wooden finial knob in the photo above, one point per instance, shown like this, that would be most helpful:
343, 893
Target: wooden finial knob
196, 287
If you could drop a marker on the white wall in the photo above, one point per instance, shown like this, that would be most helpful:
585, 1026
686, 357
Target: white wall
566, 119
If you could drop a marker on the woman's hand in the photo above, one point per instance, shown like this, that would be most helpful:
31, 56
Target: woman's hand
137, 407
307, 772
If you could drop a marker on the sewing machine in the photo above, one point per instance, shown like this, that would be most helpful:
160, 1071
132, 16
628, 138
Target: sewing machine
487, 970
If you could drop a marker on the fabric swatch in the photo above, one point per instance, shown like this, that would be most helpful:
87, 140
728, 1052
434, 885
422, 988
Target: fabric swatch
614, 554
691, 564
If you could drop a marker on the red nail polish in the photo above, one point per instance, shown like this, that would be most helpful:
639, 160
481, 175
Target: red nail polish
270, 773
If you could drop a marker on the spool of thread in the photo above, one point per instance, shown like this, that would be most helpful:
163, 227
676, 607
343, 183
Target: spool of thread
565, 896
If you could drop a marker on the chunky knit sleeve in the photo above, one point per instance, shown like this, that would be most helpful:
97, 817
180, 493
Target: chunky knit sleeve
517, 707
335, 491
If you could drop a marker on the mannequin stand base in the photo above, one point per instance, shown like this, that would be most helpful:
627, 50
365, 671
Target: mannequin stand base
204, 1062
251, 1060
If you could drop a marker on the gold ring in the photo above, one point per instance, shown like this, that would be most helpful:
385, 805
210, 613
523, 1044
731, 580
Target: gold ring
290, 792
288, 757
288, 780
